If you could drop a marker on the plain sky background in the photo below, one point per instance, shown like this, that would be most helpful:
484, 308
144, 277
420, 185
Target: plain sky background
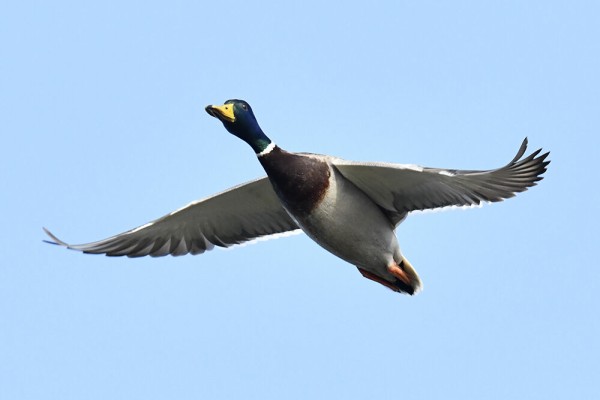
104, 129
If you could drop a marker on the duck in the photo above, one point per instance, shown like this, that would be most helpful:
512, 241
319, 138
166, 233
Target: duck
349, 208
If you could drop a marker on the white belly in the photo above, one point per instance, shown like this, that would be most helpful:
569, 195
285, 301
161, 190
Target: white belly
348, 224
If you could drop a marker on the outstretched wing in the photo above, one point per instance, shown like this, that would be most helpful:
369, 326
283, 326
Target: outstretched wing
400, 188
245, 212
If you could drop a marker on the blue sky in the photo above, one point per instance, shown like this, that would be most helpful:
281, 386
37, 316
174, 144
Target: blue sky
102, 110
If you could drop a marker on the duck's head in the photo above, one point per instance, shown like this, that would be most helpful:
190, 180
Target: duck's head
239, 120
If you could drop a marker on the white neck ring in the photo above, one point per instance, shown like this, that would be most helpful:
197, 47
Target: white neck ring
267, 150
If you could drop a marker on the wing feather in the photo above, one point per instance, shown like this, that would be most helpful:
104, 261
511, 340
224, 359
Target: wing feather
399, 189
240, 214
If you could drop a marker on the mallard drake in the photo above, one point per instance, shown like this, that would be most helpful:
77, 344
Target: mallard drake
349, 208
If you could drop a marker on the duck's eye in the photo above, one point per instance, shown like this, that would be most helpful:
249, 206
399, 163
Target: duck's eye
244, 106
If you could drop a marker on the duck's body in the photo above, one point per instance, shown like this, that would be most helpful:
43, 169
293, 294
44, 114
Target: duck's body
322, 201
349, 208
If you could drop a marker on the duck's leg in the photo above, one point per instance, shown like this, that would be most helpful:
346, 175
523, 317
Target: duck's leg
399, 273
378, 279
405, 278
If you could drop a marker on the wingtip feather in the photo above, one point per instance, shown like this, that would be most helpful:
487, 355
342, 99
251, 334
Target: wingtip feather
521, 151
55, 240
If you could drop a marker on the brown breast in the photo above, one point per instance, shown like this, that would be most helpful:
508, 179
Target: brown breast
299, 180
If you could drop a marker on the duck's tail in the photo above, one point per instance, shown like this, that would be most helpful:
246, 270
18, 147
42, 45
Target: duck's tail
414, 283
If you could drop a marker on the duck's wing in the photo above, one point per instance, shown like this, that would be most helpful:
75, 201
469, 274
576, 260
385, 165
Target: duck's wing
245, 212
400, 188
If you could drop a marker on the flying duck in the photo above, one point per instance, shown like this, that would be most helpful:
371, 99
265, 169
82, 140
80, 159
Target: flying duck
349, 208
